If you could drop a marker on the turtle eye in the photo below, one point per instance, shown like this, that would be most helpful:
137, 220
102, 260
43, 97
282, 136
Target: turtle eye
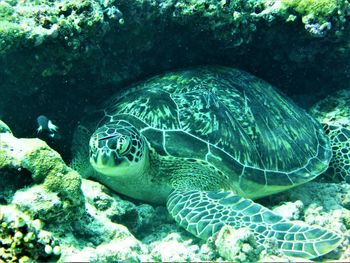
123, 144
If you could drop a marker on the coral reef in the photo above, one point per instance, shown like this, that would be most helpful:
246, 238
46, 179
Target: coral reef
176, 246
324, 8
138, 219
32, 23
290, 210
23, 240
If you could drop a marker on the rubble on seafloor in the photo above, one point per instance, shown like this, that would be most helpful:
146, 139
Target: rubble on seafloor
102, 226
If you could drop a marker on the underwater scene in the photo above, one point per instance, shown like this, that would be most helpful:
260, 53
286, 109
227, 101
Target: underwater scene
174, 131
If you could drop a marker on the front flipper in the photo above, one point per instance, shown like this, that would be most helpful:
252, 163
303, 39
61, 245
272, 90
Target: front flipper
205, 213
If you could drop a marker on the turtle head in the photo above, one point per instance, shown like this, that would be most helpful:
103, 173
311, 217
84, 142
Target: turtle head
118, 149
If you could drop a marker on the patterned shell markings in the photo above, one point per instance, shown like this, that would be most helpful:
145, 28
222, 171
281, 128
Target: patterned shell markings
229, 118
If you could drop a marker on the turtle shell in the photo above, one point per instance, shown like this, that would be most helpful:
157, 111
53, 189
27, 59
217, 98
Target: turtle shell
257, 137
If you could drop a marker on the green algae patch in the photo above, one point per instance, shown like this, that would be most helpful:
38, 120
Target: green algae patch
316, 7
320, 17
67, 185
47, 167
10, 35
6, 11
42, 162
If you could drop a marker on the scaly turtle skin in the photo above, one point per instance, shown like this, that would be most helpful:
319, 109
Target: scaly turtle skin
202, 141
334, 114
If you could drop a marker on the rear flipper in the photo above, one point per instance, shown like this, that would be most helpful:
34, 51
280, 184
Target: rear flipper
339, 168
205, 213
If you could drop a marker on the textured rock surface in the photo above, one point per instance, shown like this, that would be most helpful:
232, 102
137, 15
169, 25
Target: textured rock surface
160, 239
99, 235
237, 245
334, 110
56, 187
290, 210
326, 204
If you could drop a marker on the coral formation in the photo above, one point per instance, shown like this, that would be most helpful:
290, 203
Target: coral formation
34, 22
334, 110
47, 170
237, 245
163, 240
99, 236
326, 204
137, 218
41, 202
290, 210
174, 247
319, 16
23, 240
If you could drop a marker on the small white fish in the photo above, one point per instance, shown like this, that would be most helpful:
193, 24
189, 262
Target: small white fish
46, 126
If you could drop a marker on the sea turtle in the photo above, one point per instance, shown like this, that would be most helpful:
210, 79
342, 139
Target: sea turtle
204, 141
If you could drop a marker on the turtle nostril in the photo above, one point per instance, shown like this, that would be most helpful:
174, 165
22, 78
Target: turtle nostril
105, 150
